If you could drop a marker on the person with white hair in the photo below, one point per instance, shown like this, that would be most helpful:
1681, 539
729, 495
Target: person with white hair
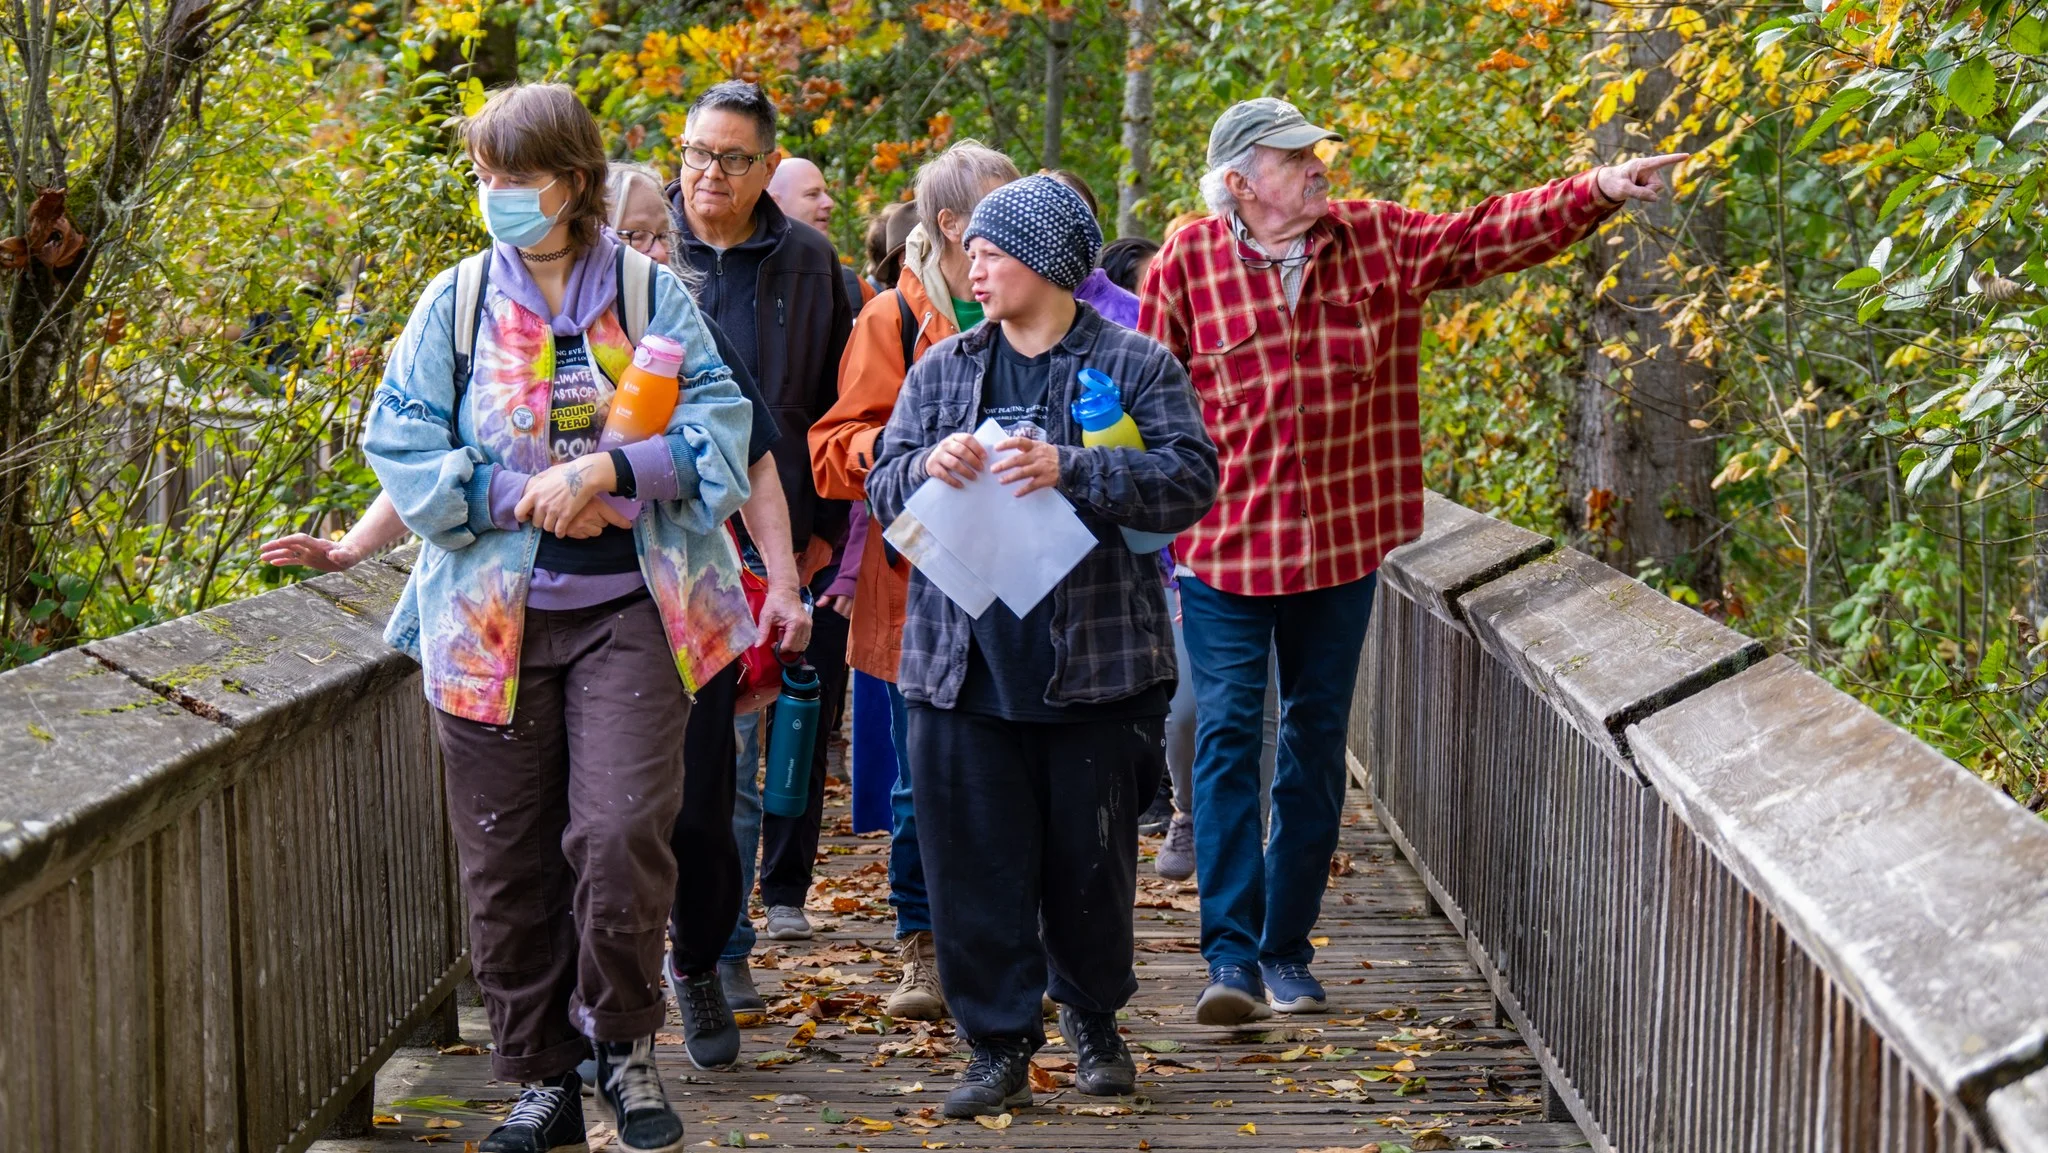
1298, 320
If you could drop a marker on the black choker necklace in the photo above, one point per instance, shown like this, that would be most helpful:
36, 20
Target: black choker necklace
557, 254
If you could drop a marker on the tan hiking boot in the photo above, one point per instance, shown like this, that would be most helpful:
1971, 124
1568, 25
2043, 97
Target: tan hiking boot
917, 996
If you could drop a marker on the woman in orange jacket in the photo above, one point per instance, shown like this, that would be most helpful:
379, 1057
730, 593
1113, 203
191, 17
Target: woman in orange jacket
931, 302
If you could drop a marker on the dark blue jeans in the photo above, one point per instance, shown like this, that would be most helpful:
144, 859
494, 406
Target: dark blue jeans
1261, 901
906, 864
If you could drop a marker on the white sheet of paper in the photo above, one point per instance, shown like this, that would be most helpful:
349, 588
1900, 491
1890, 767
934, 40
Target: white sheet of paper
939, 565
1019, 547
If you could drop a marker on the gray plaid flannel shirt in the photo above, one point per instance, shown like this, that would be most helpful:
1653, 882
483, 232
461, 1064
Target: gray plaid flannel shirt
1111, 637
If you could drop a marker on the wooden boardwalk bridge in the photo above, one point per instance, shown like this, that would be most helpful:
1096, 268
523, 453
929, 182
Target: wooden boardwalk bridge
1410, 1054
1609, 861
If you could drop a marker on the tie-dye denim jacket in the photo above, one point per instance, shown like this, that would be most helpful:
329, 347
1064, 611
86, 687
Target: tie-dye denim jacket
463, 608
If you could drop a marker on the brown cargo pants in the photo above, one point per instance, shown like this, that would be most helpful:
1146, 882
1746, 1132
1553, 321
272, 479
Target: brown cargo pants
561, 822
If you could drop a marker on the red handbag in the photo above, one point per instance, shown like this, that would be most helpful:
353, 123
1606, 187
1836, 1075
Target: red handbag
760, 666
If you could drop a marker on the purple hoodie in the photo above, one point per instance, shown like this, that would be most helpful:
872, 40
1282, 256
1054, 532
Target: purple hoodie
1109, 298
591, 290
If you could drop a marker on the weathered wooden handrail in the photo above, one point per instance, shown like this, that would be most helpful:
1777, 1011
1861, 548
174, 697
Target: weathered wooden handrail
227, 889
1730, 907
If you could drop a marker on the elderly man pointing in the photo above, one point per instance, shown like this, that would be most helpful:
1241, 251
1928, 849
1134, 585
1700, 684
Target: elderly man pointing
1298, 320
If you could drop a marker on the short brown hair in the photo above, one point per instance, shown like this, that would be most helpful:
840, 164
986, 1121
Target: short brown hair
1073, 180
529, 129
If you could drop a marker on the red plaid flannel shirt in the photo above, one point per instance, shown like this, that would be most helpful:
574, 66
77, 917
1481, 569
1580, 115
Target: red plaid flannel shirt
1315, 414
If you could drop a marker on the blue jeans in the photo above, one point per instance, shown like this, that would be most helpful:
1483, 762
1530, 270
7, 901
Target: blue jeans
1260, 902
906, 862
746, 828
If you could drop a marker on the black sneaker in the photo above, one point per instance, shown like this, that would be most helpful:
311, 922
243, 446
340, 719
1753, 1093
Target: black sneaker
738, 979
996, 1080
1102, 1062
710, 1035
1153, 821
631, 1085
546, 1119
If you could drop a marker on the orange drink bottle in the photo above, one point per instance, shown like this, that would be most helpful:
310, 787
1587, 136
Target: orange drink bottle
643, 403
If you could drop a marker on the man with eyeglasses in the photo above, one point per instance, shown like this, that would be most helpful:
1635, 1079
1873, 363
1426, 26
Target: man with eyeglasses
773, 285
1299, 321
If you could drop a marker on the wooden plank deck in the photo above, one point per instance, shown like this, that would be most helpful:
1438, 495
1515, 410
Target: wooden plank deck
1409, 1057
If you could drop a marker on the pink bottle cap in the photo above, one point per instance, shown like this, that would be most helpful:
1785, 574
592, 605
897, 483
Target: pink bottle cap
660, 355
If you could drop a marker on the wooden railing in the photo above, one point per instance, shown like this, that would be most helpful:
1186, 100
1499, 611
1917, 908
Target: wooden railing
1730, 907
227, 887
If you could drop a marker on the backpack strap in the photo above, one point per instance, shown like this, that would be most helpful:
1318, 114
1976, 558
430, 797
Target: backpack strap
907, 323
636, 291
472, 279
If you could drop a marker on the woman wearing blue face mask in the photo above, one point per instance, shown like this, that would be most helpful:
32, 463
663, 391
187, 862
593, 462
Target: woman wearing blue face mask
558, 640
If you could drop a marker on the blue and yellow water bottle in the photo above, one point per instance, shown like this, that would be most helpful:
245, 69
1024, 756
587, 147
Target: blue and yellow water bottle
1105, 424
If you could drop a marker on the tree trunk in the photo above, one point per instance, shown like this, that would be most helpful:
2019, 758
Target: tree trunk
46, 308
1640, 477
1059, 38
1134, 183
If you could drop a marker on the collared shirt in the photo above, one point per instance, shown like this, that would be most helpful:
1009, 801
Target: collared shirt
1314, 407
1293, 269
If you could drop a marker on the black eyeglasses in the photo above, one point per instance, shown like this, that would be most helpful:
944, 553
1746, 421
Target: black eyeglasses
730, 163
642, 240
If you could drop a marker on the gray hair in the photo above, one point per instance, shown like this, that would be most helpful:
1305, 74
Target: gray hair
955, 181
1216, 188
620, 175
744, 98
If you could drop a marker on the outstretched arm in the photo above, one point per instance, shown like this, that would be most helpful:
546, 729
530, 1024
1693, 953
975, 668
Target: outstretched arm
1503, 234
378, 529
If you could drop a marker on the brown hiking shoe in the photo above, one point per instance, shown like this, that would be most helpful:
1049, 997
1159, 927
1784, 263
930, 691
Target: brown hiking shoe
917, 996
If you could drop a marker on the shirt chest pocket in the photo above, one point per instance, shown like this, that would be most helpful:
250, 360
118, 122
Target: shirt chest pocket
1227, 366
1345, 325
946, 416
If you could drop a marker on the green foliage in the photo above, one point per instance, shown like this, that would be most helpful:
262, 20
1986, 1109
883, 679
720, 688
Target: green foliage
1872, 303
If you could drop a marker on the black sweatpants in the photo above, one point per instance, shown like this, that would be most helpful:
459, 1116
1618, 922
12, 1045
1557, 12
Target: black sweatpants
1030, 839
789, 845
707, 897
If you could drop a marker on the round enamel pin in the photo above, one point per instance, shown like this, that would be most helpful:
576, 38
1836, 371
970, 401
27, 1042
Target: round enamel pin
522, 418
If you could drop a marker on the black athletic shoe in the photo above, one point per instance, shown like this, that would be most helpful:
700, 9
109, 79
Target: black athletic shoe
546, 1119
631, 1085
1102, 1062
710, 1035
1153, 821
740, 994
996, 1080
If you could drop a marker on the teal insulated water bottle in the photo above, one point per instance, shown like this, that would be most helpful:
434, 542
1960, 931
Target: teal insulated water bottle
787, 790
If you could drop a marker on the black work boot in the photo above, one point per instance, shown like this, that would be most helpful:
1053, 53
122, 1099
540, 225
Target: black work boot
1102, 1062
998, 1078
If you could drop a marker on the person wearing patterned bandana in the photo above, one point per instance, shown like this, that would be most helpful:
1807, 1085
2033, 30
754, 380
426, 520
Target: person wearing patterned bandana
1036, 740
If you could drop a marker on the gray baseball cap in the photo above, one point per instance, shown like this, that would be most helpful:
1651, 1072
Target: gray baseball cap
1273, 123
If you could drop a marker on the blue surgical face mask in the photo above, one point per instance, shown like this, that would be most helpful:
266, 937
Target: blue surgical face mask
513, 216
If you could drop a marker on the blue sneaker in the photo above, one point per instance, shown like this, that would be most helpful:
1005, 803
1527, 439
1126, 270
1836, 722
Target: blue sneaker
1234, 996
1291, 988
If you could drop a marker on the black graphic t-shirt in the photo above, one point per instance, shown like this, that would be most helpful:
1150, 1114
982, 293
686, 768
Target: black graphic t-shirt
573, 429
1010, 658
